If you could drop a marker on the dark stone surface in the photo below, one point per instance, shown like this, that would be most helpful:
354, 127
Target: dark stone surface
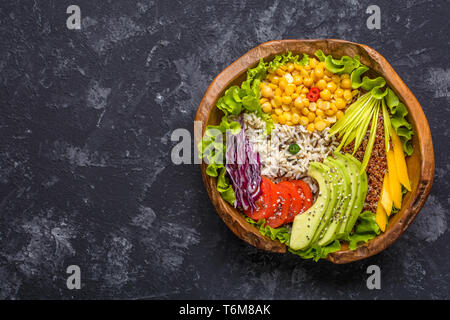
85, 173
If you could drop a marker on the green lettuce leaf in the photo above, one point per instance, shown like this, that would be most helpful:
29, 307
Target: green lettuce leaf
282, 59
366, 230
398, 120
339, 66
282, 234
317, 252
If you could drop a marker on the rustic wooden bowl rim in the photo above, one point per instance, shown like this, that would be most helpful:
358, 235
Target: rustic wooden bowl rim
378, 63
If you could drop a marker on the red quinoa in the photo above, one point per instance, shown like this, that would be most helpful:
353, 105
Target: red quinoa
377, 166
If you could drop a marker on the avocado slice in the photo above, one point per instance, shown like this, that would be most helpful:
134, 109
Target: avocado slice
336, 187
305, 225
329, 232
353, 172
360, 195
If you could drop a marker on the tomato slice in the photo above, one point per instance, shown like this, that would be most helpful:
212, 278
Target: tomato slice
265, 202
296, 200
305, 193
282, 205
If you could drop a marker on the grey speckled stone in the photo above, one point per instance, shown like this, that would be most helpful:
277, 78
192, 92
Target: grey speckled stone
85, 171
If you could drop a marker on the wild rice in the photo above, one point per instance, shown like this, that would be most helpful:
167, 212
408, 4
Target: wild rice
276, 161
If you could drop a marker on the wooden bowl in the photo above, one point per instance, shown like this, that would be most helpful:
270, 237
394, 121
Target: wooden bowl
420, 164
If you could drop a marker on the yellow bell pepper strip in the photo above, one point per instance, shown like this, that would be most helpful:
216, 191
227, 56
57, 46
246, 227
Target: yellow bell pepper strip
394, 183
381, 217
402, 170
385, 198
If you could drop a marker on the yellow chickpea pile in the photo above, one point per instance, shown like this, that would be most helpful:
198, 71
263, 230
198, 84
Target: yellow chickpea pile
283, 95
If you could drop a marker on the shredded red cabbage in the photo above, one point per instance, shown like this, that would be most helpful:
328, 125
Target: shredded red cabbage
244, 168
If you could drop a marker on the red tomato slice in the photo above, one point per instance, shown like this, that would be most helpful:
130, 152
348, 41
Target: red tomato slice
296, 200
282, 205
265, 202
305, 193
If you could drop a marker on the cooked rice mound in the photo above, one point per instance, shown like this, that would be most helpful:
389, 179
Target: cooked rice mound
276, 161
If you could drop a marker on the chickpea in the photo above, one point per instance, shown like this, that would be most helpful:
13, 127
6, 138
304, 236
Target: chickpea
347, 95
346, 83
273, 103
308, 82
283, 83
333, 106
304, 121
266, 91
266, 107
331, 86
278, 100
290, 67
289, 78
295, 118
339, 93
286, 100
320, 125
298, 79
298, 103
325, 94
280, 72
274, 79
305, 102
335, 78
290, 89
321, 84
288, 116
325, 105
340, 103
318, 72
304, 73
282, 119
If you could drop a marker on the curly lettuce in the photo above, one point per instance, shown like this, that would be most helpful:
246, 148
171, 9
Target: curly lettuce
339, 66
366, 229
317, 252
282, 234
212, 149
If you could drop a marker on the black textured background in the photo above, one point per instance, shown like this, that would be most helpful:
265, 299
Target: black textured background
86, 118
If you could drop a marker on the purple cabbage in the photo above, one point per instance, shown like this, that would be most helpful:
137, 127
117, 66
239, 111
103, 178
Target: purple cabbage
244, 168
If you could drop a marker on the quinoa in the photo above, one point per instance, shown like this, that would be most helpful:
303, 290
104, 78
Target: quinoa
377, 166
